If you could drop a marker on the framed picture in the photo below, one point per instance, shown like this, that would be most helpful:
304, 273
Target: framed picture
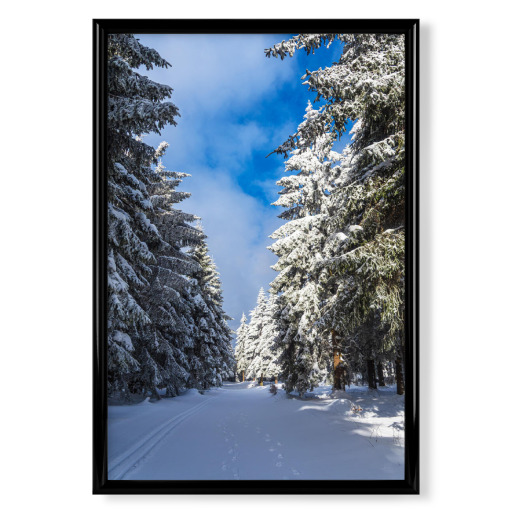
256, 256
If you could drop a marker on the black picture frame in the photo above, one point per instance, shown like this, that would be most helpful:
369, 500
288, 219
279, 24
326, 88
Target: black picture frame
101, 29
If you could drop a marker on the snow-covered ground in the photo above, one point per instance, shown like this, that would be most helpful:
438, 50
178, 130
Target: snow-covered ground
243, 432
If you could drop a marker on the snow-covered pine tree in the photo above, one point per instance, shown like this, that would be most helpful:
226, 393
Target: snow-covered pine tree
212, 359
226, 360
168, 338
254, 331
306, 351
269, 349
136, 106
240, 348
363, 265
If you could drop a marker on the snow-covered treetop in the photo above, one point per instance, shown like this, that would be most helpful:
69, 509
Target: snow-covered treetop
308, 42
369, 72
135, 53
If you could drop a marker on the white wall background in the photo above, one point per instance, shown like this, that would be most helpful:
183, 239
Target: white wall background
46, 251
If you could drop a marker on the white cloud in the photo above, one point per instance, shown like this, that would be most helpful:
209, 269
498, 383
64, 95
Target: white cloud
219, 72
237, 226
220, 82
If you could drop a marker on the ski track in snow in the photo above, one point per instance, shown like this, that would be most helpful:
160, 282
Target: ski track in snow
248, 434
126, 462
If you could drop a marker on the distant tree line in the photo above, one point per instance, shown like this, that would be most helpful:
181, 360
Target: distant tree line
257, 350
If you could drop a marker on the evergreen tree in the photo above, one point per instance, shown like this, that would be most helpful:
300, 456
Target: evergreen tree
361, 272
269, 349
168, 337
212, 358
240, 349
166, 325
136, 106
307, 353
254, 331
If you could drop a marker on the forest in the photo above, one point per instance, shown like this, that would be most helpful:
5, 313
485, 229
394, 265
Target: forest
334, 312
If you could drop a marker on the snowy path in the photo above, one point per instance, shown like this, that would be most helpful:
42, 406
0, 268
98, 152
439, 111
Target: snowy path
237, 432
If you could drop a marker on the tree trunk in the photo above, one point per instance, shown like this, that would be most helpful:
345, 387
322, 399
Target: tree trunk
380, 374
156, 394
391, 371
400, 388
276, 381
339, 370
370, 365
243, 376
261, 380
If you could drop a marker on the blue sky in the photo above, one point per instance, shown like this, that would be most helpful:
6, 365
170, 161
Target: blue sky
236, 107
